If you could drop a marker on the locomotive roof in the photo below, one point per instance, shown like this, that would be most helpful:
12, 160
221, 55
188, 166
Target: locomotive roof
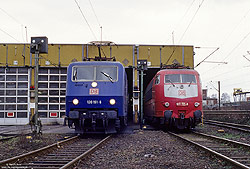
178, 70
96, 63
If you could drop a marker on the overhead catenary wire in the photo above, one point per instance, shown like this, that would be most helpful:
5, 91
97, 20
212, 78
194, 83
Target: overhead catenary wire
95, 14
207, 57
227, 56
240, 42
187, 10
235, 76
191, 21
244, 82
185, 30
230, 53
226, 40
214, 62
11, 16
16, 20
85, 19
9, 35
100, 26
213, 85
246, 58
236, 26
237, 69
231, 80
180, 21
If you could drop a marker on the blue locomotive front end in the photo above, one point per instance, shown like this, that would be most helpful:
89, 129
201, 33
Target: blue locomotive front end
96, 97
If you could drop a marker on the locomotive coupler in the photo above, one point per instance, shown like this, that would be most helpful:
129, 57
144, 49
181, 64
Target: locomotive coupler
83, 120
162, 120
103, 123
117, 123
93, 121
182, 116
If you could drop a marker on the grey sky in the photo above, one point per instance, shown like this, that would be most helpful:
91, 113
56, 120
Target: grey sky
217, 23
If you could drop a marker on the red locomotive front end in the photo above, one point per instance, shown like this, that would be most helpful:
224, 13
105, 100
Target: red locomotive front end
174, 98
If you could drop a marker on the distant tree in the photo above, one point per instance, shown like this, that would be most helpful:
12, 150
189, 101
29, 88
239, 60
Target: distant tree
214, 96
225, 98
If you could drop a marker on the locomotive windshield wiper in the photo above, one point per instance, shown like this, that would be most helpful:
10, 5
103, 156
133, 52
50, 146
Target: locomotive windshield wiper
171, 82
190, 83
108, 76
74, 74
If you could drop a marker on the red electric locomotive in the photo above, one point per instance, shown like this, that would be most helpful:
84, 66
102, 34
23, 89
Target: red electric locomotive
174, 98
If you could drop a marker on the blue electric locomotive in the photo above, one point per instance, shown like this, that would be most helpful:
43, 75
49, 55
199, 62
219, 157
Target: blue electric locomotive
96, 96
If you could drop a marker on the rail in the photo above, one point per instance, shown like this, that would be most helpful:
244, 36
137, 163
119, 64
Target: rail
240, 127
64, 154
238, 154
35, 152
85, 154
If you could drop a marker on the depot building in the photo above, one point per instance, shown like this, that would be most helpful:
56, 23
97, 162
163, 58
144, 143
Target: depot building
17, 75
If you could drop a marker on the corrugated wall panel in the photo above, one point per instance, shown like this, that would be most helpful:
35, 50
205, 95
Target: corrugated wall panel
66, 53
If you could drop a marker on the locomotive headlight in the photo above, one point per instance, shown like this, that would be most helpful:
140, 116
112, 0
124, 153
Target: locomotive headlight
93, 84
112, 101
196, 104
75, 101
166, 104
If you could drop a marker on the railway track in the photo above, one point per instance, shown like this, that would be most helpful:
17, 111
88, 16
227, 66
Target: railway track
26, 129
239, 127
230, 151
63, 154
7, 133
9, 130
4, 138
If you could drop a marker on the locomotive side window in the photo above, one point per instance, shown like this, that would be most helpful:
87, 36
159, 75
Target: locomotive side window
157, 80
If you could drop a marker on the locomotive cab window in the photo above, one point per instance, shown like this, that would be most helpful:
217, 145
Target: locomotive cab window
180, 78
83, 73
104, 73
173, 78
96, 73
188, 78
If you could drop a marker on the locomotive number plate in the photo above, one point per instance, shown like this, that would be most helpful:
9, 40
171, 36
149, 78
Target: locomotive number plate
182, 104
93, 91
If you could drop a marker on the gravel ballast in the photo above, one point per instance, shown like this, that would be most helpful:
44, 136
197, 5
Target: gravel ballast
227, 133
150, 149
143, 149
23, 144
